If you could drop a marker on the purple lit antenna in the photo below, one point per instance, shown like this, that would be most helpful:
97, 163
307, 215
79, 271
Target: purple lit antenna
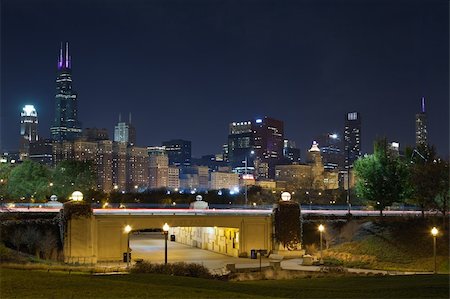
60, 59
423, 104
67, 55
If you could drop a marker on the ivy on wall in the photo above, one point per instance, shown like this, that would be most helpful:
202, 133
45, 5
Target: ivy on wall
287, 224
76, 209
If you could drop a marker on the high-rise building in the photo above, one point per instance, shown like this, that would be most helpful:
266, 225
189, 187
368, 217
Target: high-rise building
178, 151
125, 132
261, 139
66, 125
137, 168
158, 167
352, 138
290, 152
421, 125
174, 178
28, 130
331, 150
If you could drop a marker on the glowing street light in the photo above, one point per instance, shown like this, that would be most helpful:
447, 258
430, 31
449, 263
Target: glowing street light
434, 232
321, 229
77, 196
166, 228
127, 229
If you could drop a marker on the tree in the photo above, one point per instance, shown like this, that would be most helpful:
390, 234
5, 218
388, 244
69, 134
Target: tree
441, 199
5, 171
30, 180
382, 178
70, 176
428, 177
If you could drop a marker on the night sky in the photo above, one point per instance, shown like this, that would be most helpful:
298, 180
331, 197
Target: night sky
186, 69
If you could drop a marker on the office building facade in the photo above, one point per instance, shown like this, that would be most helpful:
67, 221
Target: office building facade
352, 138
421, 126
28, 130
261, 139
178, 151
66, 125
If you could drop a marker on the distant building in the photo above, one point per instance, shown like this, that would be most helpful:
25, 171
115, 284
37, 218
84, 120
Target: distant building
173, 177
261, 139
125, 132
224, 180
95, 134
310, 176
138, 169
352, 138
118, 167
194, 177
158, 167
41, 151
394, 149
66, 125
421, 126
28, 130
290, 152
178, 151
331, 150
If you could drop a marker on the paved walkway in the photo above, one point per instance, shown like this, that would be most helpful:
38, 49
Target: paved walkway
151, 248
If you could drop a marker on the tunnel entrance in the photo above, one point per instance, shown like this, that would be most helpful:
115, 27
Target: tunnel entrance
185, 244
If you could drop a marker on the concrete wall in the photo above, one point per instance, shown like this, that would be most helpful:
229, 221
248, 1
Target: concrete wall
101, 237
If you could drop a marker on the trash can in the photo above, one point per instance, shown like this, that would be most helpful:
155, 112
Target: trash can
172, 238
125, 257
253, 254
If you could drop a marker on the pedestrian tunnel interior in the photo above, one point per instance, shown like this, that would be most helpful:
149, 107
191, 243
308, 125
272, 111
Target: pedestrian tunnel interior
149, 244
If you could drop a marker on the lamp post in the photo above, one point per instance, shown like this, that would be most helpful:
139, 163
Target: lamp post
434, 232
166, 228
321, 229
246, 186
127, 229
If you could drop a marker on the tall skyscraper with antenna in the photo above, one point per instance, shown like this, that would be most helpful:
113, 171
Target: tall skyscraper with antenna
66, 125
125, 132
421, 125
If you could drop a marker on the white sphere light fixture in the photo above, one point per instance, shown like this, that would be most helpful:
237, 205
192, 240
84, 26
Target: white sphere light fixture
77, 196
285, 196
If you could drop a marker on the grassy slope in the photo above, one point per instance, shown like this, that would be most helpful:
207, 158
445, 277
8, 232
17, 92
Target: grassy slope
39, 284
396, 246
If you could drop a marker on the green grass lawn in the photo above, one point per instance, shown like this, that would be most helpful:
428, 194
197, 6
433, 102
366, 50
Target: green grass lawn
40, 284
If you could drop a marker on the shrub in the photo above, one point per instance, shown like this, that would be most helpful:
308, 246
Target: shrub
76, 209
178, 269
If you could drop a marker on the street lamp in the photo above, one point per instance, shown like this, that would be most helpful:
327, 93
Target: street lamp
321, 229
166, 228
434, 232
252, 152
127, 229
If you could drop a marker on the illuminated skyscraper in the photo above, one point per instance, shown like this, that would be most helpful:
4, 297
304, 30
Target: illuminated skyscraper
28, 129
260, 141
66, 125
421, 125
352, 138
125, 132
178, 151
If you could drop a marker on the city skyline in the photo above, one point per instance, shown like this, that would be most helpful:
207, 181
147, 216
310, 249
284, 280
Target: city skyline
277, 89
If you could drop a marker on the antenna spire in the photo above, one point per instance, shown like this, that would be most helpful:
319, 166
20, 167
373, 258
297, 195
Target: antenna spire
120, 117
60, 58
423, 104
67, 55
129, 118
